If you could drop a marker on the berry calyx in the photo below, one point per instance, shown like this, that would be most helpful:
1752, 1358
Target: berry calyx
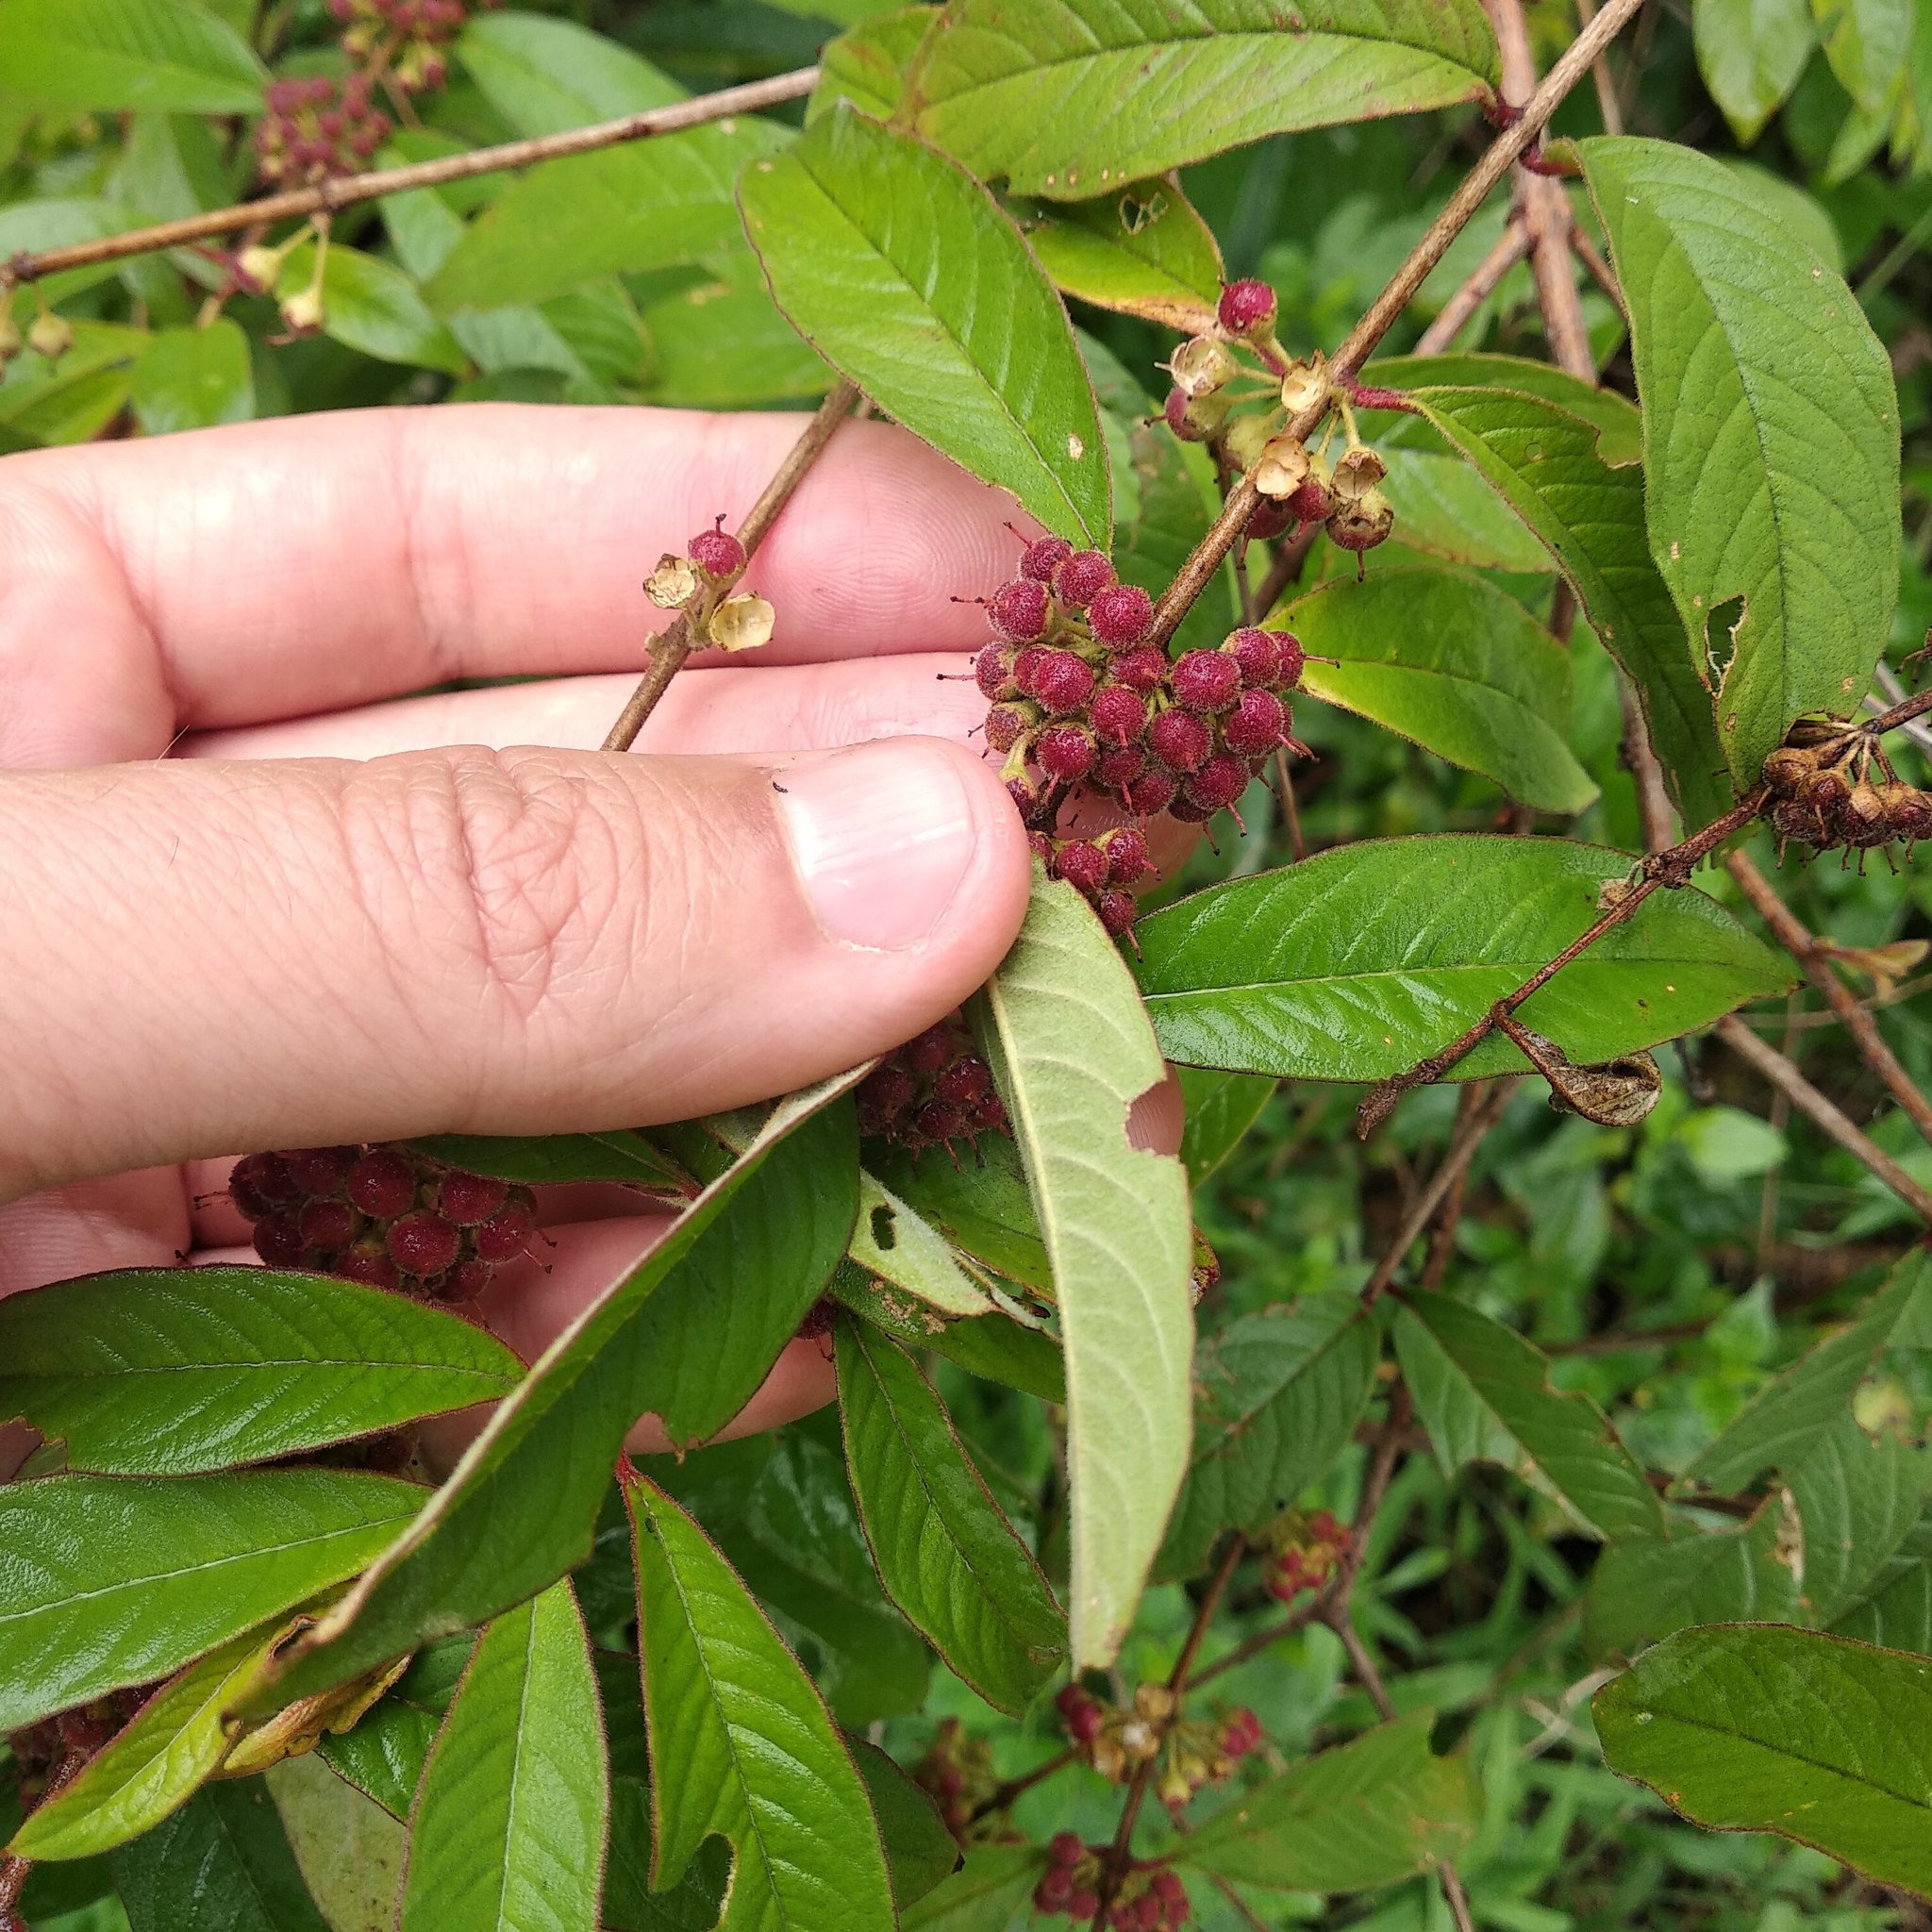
1121, 615
1202, 365
1006, 724
1246, 307
1362, 523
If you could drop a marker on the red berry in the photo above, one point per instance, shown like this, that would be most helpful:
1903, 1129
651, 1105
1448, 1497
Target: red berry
1019, 610
1025, 794
988, 1111
1083, 1726
1258, 656
1070, 1698
1117, 910
1218, 783
1128, 857
1152, 794
1140, 669
1082, 1905
1006, 726
1121, 615
717, 553
467, 1198
319, 1171
992, 670
329, 1226
1292, 658
1044, 557
1041, 845
1167, 1886
257, 1184
964, 1081
1311, 503
1082, 864
367, 1262
1206, 681
1118, 714
1053, 1891
422, 1244
1064, 1848
1027, 670
940, 1120
930, 1051
383, 1183
1065, 752
278, 1240
506, 1233
1176, 412
887, 1092
1063, 681
1244, 306
1257, 724
1269, 519
1117, 769
465, 1281
1181, 739
1080, 578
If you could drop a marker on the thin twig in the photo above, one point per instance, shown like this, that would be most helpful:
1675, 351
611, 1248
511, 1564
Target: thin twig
1653, 801
349, 190
1892, 686
1607, 104
1802, 945
1672, 868
1455, 1163
1284, 568
1594, 259
1826, 1113
1252, 1647
1510, 248
1011, 1789
1361, 1663
1252, 1919
1291, 811
1457, 1898
1899, 713
673, 644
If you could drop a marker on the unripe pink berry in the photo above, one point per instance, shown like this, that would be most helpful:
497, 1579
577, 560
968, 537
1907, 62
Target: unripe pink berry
469, 1198
1257, 724
1118, 769
716, 552
1140, 669
1128, 857
1245, 307
1006, 725
1258, 655
383, 1183
1044, 557
1187, 422
329, 1226
1081, 578
1181, 739
1065, 1849
992, 670
1152, 792
1063, 681
1083, 865
506, 1233
1121, 615
1065, 752
278, 1239
1118, 714
1019, 610
1218, 783
1116, 909
422, 1244
1206, 681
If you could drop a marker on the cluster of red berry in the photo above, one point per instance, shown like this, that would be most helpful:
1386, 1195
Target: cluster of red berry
1305, 1555
1118, 1740
931, 1091
317, 128
1825, 795
957, 1772
1150, 1899
403, 39
387, 1215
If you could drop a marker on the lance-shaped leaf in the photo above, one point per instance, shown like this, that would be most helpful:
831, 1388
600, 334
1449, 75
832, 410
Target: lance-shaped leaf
1066, 97
1617, 424
521, 1507
507, 1831
1140, 249
1750, 52
906, 274
758, 1758
1771, 439
1784, 1421
993, 1346
1485, 1393
1548, 465
222, 1863
1859, 1497
1362, 960
170, 1371
384, 1753
1071, 1051
1756, 1727
1456, 665
946, 1554
348, 1849
893, 1242
164, 56
547, 1160
920, 1851
1280, 1393
1366, 1813
108, 1581
868, 64
1896, 1606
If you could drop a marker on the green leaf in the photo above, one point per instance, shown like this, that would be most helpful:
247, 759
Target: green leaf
108, 1581
1771, 438
171, 1371
1750, 52
191, 378
992, 1346
758, 1758
508, 1832
1456, 665
550, 1160
521, 1507
1896, 1606
173, 1744
1280, 1394
57, 222
993, 1883
723, 344
1071, 1051
222, 1863
371, 305
349, 1850
1219, 1109
982, 1206
1141, 250
1367, 1813
1865, 42
1859, 1497
1444, 508
1485, 1393
946, 1554
1786, 1420
1639, 1591
1754, 1727
1549, 466
920, 1851
545, 75
1616, 420
868, 64
1362, 960
895, 1243
384, 1755
906, 274
1068, 94
160, 55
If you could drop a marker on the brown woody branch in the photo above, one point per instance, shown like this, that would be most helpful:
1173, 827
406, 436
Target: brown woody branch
1482, 1114
1510, 248
348, 191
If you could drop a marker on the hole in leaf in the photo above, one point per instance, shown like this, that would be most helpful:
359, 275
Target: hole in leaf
1721, 631
885, 1234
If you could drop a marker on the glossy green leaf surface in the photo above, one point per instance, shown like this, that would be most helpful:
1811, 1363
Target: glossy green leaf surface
508, 1830
1616, 420
383, 1756
1549, 466
1754, 1727
1771, 438
192, 379
162, 55
1485, 1392
1280, 1393
223, 1863
1366, 1813
1141, 250
371, 304
1221, 1107
946, 1554
1444, 508
1750, 52
1068, 95
108, 1581
893, 1242
1360, 961
549, 1159
906, 274
1071, 1051
920, 1851
1456, 665
521, 1507
991, 1885
758, 1758
167, 1372
868, 64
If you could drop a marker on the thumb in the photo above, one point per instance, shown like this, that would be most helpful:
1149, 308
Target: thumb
214, 958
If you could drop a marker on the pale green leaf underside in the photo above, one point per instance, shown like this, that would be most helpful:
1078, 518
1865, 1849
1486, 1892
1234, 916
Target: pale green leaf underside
1444, 508
1143, 250
164, 56
893, 1242
1750, 52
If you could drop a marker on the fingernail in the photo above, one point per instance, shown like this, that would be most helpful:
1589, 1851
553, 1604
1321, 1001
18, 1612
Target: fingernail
883, 835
